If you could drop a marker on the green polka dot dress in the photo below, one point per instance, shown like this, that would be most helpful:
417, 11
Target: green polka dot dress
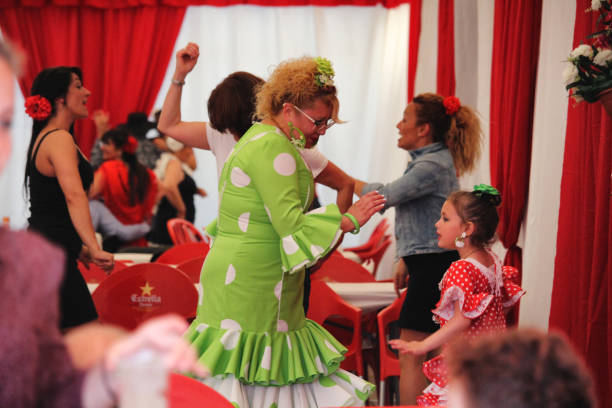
250, 330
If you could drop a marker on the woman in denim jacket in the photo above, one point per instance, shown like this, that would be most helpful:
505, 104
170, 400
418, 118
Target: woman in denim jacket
443, 139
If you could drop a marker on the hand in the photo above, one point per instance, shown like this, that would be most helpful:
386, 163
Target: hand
400, 276
103, 259
85, 256
186, 59
102, 120
202, 192
163, 334
408, 347
364, 208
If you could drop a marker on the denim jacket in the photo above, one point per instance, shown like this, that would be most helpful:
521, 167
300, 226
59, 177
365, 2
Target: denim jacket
418, 196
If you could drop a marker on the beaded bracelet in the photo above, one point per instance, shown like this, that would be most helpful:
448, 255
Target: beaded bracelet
354, 221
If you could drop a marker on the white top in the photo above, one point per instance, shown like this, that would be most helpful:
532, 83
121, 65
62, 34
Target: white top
221, 145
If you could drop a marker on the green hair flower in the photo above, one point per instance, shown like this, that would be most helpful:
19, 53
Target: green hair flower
325, 72
488, 193
485, 188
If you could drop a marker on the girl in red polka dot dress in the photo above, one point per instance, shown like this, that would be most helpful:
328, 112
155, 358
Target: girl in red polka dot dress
476, 290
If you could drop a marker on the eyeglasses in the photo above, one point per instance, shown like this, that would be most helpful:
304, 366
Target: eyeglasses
320, 124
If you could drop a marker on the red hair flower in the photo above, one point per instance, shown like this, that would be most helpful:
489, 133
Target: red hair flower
130, 145
451, 104
38, 107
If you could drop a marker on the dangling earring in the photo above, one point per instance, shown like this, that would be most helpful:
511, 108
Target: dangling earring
460, 240
300, 140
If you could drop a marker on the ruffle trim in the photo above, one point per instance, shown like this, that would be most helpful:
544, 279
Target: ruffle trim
478, 303
432, 395
298, 250
278, 358
510, 300
339, 389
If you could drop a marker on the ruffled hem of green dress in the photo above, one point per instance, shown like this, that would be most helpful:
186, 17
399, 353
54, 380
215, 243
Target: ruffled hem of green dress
276, 358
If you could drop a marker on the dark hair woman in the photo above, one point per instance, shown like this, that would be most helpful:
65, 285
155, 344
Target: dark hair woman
57, 176
128, 188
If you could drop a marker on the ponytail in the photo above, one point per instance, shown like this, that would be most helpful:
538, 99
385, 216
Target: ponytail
456, 126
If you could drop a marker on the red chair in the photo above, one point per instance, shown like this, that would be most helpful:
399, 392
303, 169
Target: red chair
95, 274
376, 253
137, 293
182, 231
185, 392
192, 268
337, 268
388, 361
183, 252
327, 304
375, 238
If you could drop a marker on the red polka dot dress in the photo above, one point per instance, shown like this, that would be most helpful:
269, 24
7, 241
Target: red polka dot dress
482, 293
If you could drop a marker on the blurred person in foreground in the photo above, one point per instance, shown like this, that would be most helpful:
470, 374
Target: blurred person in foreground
524, 368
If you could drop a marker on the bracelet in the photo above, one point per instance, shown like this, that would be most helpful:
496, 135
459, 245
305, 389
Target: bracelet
177, 83
354, 221
106, 383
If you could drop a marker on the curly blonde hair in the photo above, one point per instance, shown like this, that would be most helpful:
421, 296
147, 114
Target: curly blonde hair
293, 81
460, 132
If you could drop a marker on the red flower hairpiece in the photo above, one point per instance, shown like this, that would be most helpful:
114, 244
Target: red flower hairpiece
130, 145
451, 104
38, 107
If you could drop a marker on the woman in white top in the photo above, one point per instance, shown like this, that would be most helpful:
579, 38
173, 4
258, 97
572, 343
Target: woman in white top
230, 108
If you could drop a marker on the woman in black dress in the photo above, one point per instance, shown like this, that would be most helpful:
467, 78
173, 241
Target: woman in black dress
57, 176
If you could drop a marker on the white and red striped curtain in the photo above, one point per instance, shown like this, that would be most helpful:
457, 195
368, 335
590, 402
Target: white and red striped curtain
369, 48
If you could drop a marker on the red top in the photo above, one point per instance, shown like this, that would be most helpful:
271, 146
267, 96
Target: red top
116, 193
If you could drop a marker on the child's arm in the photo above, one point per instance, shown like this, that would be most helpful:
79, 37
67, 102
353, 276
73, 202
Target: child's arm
454, 326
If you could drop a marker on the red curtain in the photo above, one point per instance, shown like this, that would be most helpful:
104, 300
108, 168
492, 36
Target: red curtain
581, 304
516, 42
106, 4
446, 48
413, 44
124, 53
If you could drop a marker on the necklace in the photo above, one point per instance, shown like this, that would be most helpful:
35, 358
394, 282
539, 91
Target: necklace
468, 255
278, 126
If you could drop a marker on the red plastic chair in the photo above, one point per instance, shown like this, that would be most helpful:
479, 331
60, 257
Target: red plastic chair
140, 292
184, 252
182, 232
376, 254
376, 236
95, 274
192, 268
328, 303
185, 392
337, 268
388, 361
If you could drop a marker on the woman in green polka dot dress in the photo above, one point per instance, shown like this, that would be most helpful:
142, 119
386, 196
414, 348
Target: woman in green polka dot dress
250, 330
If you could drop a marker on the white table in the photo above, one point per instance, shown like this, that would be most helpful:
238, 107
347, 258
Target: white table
134, 258
368, 296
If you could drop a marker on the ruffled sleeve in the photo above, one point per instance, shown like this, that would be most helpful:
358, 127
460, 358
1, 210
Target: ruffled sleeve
511, 292
458, 286
304, 238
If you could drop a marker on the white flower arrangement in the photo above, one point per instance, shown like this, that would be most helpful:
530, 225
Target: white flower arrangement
589, 69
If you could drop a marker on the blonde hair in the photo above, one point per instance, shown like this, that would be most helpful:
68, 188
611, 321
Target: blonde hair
460, 132
293, 81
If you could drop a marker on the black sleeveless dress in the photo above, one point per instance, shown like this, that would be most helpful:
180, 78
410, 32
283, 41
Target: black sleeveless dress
50, 217
165, 211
